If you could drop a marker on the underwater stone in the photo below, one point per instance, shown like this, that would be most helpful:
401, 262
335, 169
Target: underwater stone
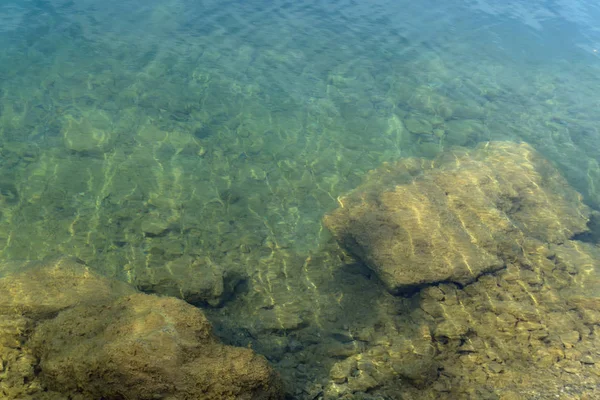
412, 360
40, 289
468, 213
362, 382
451, 329
340, 371
13, 329
143, 346
588, 359
460, 132
195, 280
418, 126
68, 332
569, 339
153, 225
90, 135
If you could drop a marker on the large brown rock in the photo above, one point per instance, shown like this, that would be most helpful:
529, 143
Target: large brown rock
455, 218
147, 347
67, 331
34, 291
40, 289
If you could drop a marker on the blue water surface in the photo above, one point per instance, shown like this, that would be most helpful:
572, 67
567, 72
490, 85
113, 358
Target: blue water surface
134, 134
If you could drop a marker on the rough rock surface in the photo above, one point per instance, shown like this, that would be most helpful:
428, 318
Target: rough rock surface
528, 332
195, 280
143, 346
41, 289
89, 135
68, 332
451, 220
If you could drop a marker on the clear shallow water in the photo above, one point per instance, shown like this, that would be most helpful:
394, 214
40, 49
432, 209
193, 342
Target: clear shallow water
137, 134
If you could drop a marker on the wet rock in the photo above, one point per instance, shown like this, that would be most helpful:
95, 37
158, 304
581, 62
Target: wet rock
342, 336
418, 126
362, 382
569, 339
588, 359
529, 328
88, 135
68, 332
414, 360
468, 213
153, 226
280, 318
460, 132
144, 346
411, 360
342, 370
451, 329
14, 330
41, 289
196, 280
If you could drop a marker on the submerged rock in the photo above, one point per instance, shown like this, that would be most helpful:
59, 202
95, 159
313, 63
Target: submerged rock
39, 290
529, 331
464, 214
195, 280
66, 331
89, 135
143, 346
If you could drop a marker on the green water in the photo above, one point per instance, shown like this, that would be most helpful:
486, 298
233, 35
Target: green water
138, 136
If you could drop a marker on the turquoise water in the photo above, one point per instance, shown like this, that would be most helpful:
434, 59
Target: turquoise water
145, 137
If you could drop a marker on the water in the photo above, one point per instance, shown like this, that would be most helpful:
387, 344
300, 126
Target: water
162, 141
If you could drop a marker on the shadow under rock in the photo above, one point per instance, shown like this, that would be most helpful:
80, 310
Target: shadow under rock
354, 312
592, 235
